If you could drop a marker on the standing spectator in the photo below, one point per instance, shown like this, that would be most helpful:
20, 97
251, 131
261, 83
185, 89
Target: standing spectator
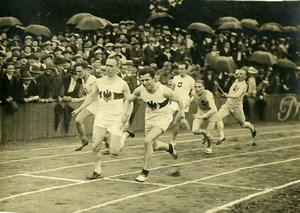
26, 89
70, 87
7, 86
150, 52
47, 84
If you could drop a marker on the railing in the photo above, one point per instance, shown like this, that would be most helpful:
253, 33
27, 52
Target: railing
37, 120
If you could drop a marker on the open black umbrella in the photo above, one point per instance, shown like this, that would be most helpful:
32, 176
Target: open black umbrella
67, 117
75, 19
38, 30
92, 23
160, 18
201, 27
9, 21
251, 24
230, 26
271, 27
225, 19
224, 64
286, 63
263, 57
58, 114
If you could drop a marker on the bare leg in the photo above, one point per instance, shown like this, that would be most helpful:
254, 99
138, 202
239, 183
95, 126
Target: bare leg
98, 136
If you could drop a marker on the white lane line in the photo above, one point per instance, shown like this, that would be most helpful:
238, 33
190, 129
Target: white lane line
40, 157
163, 136
156, 155
226, 206
38, 191
53, 178
229, 186
129, 147
191, 162
181, 184
135, 182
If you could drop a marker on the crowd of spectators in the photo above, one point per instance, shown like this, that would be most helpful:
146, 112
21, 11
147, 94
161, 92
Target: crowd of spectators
34, 68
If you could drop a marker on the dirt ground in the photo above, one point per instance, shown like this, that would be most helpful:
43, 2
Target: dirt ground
49, 176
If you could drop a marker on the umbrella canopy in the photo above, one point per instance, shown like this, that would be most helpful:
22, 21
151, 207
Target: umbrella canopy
225, 19
263, 57
224, 64
92, 23
200, 27
160, 18
9, 21
38, 30
251, 24
231, 26
271, 26
75, 19
286, 63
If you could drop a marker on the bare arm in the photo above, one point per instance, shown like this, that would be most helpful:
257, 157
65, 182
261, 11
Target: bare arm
170, 94
89, 99
129, 99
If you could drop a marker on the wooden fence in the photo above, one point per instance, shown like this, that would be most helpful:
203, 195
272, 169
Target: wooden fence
37, 120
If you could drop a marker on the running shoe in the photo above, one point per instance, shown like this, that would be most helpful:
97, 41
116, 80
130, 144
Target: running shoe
83, 144
220, 141
172, 151
94, 176
253, 132
141, 178
208, 150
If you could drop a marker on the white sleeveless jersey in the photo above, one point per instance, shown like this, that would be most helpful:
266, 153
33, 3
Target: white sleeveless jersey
183, 86
110, 99
156, 103
237, 87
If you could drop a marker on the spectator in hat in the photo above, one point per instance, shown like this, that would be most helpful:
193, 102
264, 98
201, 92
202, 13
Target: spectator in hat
135, 53
209, 79
27, 49
45, 58
261, 103
47, 84
150, 52
26, 90
87, 49
227, 50
8, 83
98, 54
28, 40
108, 49
57, 51
31, 65
47, 47
35, 46
180, 54
252, 72
117, 52
165, 56
70, 87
